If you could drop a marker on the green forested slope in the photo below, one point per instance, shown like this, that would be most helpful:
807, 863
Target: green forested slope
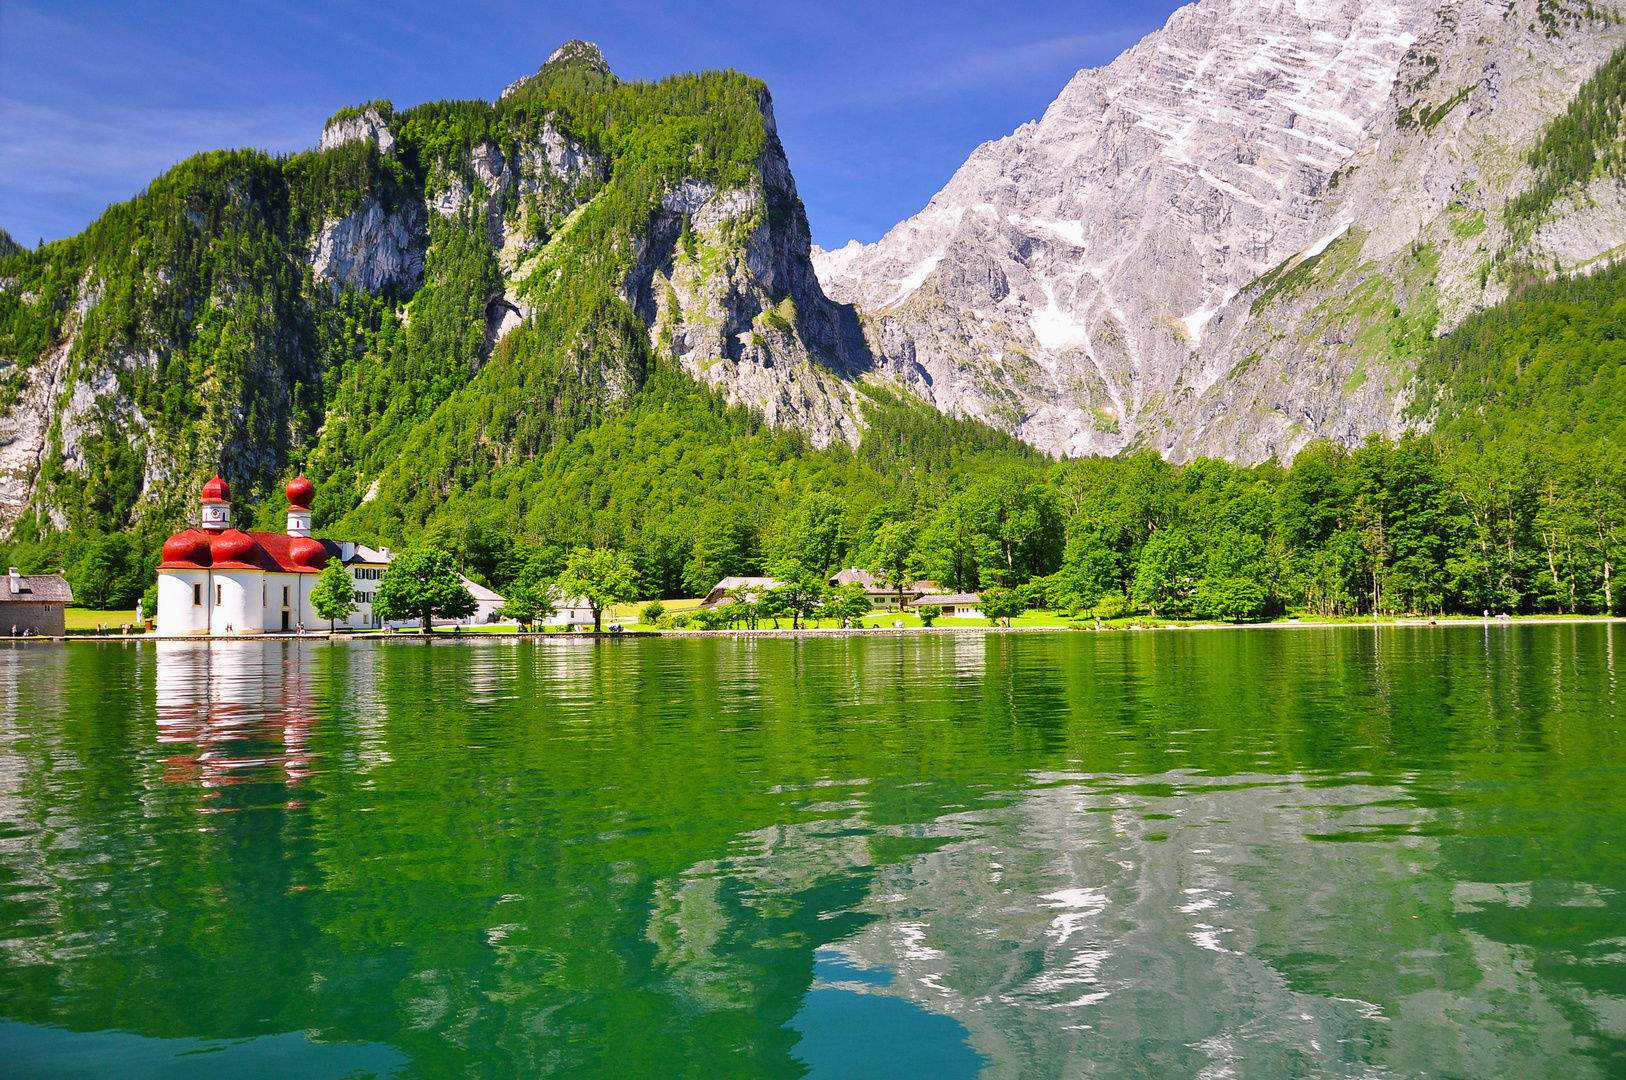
1545, 369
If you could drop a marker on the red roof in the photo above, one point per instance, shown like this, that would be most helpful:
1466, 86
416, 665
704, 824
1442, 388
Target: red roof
271, 552
282, 552
186, 550
216, 490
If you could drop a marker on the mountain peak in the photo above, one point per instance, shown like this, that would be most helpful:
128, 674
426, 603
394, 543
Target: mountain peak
573, 55
579, 53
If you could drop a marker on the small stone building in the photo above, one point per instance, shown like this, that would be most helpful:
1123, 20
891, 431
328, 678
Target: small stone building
34, 603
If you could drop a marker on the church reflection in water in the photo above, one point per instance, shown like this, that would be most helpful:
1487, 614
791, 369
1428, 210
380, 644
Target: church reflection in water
237, 712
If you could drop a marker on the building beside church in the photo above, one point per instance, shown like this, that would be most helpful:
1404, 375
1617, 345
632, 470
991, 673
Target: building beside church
33, 604
218, 580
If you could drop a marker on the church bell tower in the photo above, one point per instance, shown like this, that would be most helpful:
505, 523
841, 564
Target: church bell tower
216, 515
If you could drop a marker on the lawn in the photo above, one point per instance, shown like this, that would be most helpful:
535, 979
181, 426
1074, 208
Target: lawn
83, 620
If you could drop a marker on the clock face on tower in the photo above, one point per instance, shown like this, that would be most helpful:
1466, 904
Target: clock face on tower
216, 515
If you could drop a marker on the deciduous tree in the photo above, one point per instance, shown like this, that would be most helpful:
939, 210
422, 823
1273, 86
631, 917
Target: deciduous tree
333, 596
602, 577
422, 583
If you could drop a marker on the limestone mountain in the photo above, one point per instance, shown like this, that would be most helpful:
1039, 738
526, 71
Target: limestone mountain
1242, 233
428, 297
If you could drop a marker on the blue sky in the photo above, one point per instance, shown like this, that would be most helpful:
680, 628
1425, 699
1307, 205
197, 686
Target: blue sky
877, 102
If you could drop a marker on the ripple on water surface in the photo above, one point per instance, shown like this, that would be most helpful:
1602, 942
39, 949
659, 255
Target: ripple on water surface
1332, 852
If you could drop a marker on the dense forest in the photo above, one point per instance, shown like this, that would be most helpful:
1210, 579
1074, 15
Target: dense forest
579, 430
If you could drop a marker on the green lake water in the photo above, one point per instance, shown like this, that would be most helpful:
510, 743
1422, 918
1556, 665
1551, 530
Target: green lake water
1332, 852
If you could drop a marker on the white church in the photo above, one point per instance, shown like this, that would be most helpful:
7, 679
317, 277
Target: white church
217, 580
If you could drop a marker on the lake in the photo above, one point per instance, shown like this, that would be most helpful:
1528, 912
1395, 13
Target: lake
1323, 852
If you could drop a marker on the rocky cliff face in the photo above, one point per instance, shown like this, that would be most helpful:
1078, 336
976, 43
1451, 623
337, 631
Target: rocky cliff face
1201, 248
371, 249
361, 125
725, 282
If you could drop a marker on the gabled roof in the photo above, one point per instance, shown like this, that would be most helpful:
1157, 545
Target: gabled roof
959, 599
38, 589
480, 592
365, 554
875, 584
756, 586
279, 556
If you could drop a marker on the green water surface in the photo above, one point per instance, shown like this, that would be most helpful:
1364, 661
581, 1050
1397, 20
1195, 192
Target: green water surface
1340, 852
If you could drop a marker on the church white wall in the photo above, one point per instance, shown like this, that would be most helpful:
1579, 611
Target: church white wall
237, 602
176, 614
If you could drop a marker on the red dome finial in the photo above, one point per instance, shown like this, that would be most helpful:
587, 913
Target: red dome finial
301, 492
216, 490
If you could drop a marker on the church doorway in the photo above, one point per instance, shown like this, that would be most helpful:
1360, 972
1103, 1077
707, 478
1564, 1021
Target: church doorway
285, 621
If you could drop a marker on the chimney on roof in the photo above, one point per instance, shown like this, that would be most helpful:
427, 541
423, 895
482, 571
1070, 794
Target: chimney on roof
16, 582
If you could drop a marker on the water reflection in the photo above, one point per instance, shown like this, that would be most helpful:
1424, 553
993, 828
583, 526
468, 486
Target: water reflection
243, 709
852, 1030
1263, 853
42, 1053
1255, 925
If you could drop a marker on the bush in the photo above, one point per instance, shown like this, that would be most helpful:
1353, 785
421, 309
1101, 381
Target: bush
929, 614
999, 604
1111, 605
652, 613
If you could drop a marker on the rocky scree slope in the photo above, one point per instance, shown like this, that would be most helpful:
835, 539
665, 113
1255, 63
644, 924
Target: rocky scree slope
427, 298
1237, 236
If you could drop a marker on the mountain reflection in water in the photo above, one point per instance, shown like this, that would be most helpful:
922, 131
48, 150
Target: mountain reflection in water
1263, 853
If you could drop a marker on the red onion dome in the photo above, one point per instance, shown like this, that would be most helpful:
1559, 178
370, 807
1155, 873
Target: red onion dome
301, 492
232, 546
216, 490
189, 547
303, 551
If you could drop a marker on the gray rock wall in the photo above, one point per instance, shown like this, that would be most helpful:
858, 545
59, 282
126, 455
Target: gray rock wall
1092, 282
